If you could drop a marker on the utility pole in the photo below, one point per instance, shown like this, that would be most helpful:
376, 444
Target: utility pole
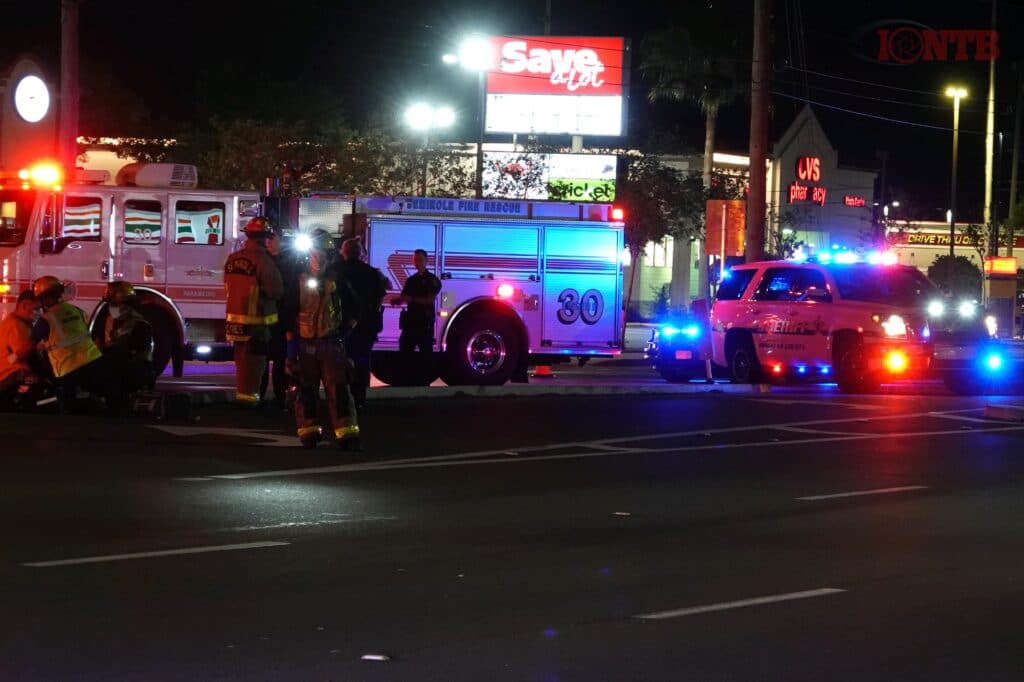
990, 130
547, 18
883, 199
756, 200
1016, 152
67, 140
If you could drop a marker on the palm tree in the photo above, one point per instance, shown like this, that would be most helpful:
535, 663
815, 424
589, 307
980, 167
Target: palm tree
703, 67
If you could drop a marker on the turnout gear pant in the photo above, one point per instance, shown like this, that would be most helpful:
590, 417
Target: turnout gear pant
323, 361
250, 365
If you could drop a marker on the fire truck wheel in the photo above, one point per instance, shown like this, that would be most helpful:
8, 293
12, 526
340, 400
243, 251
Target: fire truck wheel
743, 365
483, 351
164, 336
853, 373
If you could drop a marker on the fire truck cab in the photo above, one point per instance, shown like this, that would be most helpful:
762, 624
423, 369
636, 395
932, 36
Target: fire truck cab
154, 229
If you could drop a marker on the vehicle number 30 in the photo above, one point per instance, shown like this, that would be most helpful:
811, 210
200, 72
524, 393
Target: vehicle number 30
589, 307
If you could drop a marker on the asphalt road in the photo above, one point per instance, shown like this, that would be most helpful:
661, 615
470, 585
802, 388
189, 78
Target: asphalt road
801, 536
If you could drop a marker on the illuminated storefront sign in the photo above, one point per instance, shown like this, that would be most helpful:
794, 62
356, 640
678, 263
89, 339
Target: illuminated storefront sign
852, 200
808, 169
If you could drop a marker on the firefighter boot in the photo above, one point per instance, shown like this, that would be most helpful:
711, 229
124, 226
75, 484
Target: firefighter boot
348, 439
310, 437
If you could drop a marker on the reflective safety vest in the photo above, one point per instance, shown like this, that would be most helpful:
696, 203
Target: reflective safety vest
319, 307
68, 346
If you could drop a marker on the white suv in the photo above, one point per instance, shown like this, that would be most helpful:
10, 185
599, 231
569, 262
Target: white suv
857, 323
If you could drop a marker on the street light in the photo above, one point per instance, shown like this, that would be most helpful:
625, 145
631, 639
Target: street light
957, 93
423, 117
476, 53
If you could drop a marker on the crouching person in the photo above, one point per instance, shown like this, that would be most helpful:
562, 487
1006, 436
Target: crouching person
63, 334
19, 361
317, 352
126, 340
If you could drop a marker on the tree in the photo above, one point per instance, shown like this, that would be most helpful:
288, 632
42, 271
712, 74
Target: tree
965, 280
701, 66
658, 201
782, 242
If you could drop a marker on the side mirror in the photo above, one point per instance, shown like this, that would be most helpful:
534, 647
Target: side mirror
819, 295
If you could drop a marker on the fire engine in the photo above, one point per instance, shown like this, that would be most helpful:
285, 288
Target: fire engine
523, 282
154, 229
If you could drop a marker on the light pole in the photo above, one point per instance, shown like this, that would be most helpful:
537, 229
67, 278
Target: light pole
477, 54
957, 93
424, 118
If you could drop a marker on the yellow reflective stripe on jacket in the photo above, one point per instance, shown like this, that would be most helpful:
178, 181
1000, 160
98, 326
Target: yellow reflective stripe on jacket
267, 320
346, 431
247, 397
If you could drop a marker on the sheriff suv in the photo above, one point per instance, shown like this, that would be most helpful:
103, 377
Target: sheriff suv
832, 319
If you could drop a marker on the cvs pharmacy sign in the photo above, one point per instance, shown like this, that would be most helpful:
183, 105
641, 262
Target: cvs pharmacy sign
556, 65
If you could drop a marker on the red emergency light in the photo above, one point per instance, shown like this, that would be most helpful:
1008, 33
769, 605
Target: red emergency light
618, 214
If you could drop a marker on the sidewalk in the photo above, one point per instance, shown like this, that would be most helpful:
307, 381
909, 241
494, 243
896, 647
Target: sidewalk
629, 374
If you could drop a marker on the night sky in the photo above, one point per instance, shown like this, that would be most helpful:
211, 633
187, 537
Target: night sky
167, 67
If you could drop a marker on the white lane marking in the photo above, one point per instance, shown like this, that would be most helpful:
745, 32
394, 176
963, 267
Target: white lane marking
797, 429
149, 555
860, 493
960, 417
194, 478
456, 460
742, 603
306, 524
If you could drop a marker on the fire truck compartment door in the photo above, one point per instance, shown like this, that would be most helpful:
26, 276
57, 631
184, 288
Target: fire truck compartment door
581, 288
77, 247
391, 247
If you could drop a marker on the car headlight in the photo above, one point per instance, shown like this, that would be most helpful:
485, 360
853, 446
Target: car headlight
936, 309
992, 325
967, 309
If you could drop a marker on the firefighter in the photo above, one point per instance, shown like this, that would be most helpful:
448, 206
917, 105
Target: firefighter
63, 334
126, 339
418, 295
254, 286
316, 350
274, 374
17, 352
363, 288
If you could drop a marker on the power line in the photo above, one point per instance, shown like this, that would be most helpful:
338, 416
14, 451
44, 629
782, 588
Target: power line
877, 99
854, 80
874, 116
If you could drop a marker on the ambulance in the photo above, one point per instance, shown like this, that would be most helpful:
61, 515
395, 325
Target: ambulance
523, 282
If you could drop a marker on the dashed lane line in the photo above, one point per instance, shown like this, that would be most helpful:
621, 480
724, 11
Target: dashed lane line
739, 604
861, 493
152, 555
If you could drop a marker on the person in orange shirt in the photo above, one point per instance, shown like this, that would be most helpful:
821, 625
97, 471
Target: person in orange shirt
18, 357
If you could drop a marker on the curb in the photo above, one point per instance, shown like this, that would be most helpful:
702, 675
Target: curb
220, 397
1014, 413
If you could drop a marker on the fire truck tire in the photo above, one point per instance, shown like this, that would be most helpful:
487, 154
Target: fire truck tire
744, 367
852, 371
164, 336
484, 350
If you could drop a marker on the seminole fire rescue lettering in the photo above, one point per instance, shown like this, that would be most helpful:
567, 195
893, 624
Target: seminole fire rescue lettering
808, 169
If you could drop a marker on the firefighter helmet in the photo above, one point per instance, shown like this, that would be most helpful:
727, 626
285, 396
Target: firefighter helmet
258, 227
47, 286
119, 293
